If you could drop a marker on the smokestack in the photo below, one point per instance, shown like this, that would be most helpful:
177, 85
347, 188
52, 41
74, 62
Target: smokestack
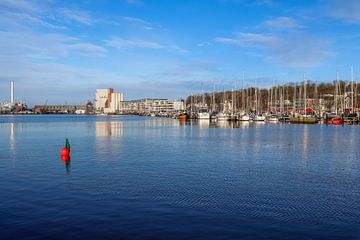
12, 92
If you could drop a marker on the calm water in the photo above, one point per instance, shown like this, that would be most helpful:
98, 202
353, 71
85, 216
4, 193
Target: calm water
142, 178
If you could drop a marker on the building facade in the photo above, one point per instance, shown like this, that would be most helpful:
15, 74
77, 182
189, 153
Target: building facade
108, 101
152, 105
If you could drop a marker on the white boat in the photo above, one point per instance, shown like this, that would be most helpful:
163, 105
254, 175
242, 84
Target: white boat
203, 115
223, 117
259, 118
245, 118
273, 118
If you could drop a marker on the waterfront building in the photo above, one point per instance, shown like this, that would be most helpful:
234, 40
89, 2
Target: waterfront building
152, 105
108, 101
38, 109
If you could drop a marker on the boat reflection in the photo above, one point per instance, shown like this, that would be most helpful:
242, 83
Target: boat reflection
205, 123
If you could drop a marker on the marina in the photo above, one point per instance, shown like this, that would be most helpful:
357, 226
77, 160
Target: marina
177, 120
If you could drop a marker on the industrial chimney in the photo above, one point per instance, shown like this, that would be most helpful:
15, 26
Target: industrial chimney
12, 92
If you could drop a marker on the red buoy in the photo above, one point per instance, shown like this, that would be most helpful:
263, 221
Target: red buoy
65, 152
65, 158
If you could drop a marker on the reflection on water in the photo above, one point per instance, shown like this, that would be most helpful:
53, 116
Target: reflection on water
109, 129
204, 123
12, 137
264, 181
66, 162
14, 129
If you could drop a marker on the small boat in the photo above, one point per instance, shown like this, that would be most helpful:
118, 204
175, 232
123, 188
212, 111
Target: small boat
306, 119
336, 121
223, 117
244, 118
203, 114
183, 116
284, 118
259, 118
273, 118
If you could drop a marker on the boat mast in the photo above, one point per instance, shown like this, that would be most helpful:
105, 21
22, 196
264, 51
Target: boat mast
336, 92
355, 95
224, 99
294, 99
202, 96
235, 99
256, 98
305, 94
271, 99
191, 105
213, 97
281, 99
232, 101
352, 89
275, 100
243, 93
268, 100
316, 99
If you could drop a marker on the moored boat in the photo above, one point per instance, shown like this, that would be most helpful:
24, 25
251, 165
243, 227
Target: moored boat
183, 116
307, 119
244, 118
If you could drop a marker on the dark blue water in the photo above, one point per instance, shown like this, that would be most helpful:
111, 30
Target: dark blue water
144, 178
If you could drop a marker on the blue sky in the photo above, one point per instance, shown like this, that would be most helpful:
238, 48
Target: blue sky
61, 51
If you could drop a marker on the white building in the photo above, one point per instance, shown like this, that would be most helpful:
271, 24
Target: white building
151, 105
107, 101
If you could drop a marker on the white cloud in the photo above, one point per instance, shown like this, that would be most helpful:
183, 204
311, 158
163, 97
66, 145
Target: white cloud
282, 23
137, 21
19, 5
297, 50
9, 19
346, 10
79, 16
177, 49
36, 82
134, 2
254, 3
31, 45
121, 43
124, 44
87, 49
249, 39
203, 44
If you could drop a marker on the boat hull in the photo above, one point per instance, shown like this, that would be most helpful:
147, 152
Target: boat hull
303, 120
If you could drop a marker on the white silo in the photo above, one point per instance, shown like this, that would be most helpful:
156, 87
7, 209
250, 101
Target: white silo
12, 96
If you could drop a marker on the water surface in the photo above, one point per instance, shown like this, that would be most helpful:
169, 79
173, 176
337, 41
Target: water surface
142, 178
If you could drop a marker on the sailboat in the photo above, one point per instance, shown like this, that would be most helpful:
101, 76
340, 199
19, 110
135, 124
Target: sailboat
258, 116
243, 116
308, 116
223, 116
203, 112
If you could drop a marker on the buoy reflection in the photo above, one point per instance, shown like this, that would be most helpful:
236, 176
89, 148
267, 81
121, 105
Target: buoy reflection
66, 160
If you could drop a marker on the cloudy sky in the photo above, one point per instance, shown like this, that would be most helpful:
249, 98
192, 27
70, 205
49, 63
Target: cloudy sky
61, 51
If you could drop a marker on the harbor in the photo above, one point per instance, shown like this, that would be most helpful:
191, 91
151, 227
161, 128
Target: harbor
179, 120
306, 102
